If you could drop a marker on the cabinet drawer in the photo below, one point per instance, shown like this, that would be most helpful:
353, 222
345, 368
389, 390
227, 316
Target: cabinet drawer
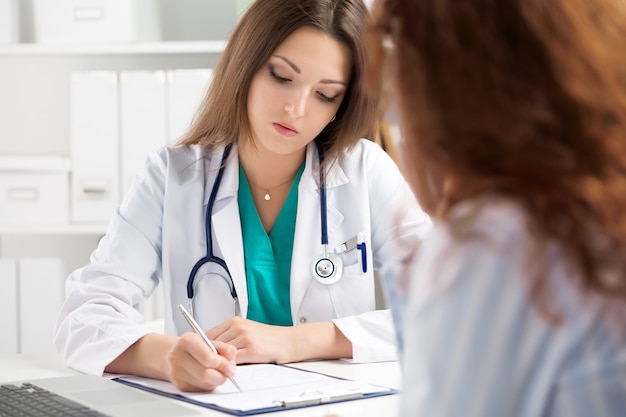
80, 21
34, 197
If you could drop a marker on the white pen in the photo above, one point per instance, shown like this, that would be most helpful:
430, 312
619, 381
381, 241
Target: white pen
196, 328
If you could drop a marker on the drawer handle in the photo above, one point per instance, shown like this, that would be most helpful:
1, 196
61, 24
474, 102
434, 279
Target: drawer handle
95, 188
95, 191
23, 194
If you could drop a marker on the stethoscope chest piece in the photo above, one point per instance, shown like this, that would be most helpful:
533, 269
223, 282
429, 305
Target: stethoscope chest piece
327, 268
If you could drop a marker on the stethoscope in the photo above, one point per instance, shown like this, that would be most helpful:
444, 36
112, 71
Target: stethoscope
327, 268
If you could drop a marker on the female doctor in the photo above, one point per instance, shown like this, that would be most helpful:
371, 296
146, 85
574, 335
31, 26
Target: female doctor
267, 220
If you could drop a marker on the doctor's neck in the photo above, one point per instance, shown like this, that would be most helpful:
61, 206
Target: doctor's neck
267, 170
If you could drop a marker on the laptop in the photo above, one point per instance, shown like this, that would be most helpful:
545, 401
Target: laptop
108, 397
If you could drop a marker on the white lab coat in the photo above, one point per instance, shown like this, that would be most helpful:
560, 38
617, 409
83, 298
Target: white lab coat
158, 234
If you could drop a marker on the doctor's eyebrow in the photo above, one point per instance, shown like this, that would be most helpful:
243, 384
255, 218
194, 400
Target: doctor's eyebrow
298, 71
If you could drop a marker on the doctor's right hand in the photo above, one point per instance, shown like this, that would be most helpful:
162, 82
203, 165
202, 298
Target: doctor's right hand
192, 365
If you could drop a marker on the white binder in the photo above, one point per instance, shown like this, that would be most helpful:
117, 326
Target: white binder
94, 143
8, 306
9, 21
41, 295
185, 90
142, 119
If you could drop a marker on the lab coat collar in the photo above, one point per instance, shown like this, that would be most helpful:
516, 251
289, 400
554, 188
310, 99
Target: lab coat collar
230, 179
335, 176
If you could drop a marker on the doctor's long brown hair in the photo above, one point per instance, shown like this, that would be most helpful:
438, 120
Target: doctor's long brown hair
223, 116
520, 98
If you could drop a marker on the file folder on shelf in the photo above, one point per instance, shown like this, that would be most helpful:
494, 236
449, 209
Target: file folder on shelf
9, 21
268, 388
94, 144
185, 90
142, 119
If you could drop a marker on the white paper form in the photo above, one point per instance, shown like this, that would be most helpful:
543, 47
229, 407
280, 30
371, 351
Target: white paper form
267, 387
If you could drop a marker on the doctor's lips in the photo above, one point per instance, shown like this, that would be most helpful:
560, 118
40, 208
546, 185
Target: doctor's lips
285, 129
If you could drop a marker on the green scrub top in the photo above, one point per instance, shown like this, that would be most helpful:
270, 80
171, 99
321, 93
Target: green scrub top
268, 258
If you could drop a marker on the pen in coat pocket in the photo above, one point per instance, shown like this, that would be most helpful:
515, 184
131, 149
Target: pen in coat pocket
196, 328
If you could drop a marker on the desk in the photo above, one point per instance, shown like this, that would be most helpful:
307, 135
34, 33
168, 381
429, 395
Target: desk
23, 366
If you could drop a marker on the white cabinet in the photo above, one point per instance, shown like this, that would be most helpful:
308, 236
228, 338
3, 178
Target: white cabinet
8, 306
35, 120
40, 294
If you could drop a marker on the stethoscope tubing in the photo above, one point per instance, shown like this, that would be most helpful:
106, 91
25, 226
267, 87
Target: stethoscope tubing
323, 207
208, 227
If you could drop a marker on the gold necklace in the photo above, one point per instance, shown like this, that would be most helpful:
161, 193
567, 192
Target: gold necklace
266, 191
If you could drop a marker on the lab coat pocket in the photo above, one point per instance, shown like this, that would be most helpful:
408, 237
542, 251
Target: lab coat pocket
354, 293
351, 258
355, 251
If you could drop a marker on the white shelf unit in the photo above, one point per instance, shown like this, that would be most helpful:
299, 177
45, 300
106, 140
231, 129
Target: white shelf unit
35, 80
35, 106
148, 48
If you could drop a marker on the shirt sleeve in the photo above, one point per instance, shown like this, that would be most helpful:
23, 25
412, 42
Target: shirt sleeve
476, 345
372, 336
100, 318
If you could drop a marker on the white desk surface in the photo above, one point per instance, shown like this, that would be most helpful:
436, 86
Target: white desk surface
22, 366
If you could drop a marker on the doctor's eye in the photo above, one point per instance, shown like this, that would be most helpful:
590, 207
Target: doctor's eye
327, 99
277, 77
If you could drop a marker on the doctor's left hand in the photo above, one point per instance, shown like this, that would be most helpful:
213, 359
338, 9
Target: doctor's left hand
263, 343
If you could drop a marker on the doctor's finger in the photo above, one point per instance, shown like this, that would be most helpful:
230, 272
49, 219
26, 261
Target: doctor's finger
226, 331
186, 373
195, 379
243, 332
203, 355
226, 350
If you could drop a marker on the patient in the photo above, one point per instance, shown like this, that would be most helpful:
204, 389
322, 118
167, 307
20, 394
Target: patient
513, 116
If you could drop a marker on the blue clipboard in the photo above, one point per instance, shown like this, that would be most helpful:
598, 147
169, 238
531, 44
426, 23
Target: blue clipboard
306, 398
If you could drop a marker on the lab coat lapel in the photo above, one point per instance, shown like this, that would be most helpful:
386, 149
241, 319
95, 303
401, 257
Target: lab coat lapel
308, 234
227, 239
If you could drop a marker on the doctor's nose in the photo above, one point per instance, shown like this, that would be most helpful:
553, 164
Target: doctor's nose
296, 107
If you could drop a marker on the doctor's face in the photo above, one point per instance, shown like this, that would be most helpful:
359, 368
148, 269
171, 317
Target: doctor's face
298, 90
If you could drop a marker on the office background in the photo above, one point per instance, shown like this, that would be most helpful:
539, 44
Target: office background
73, 74
87, 89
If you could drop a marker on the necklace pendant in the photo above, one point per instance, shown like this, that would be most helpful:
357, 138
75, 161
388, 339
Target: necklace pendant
267, 197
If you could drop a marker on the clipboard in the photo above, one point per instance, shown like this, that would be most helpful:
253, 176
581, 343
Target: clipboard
268, 388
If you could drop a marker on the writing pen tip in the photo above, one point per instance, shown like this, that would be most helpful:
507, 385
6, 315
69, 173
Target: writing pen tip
232, 379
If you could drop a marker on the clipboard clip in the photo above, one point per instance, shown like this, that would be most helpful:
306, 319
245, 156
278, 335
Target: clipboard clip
318, 397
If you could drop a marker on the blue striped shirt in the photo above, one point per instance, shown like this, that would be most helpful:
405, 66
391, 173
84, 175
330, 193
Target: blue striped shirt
473, 343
